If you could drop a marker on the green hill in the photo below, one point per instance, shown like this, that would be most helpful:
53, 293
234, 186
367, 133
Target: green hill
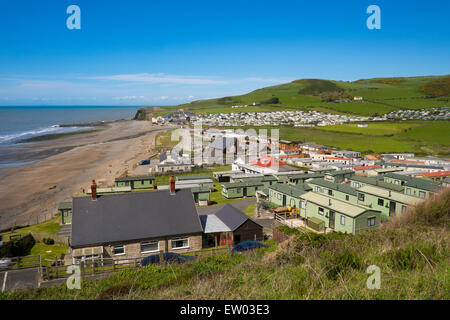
412, 252
381, 95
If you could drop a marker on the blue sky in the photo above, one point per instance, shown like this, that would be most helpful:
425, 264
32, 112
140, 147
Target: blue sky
139, 52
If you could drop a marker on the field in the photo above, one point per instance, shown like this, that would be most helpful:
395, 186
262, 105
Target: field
419, 137
380, 95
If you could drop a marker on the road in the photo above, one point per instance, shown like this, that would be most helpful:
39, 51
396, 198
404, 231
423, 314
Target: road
19, 279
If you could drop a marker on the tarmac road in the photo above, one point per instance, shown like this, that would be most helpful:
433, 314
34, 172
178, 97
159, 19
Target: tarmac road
19, 279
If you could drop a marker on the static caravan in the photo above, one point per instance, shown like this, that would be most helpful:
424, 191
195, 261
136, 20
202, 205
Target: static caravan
138, 182
241, 189
338, 215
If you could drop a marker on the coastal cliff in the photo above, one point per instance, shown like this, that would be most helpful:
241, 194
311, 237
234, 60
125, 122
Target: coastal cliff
144, 113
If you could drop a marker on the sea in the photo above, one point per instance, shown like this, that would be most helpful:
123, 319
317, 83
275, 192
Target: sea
19, 123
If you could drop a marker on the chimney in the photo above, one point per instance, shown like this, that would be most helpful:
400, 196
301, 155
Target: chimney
94, 190
172, 185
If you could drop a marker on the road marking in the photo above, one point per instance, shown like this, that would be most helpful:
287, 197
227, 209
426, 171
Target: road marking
4, 281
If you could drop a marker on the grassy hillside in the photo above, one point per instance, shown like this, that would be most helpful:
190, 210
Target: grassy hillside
419, 137
412, 253
381, 95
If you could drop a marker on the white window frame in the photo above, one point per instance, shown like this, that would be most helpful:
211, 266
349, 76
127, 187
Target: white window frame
149, 242
279, 196
424, 194
323, 211
369, 224
342, 220
118, 254
178, 239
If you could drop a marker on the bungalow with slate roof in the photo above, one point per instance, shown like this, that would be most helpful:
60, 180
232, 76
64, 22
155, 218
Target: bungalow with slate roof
229, 226
136, 224
221, 150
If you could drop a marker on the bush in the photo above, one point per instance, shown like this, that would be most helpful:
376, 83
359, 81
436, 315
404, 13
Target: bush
412, 256
341, 261
17, 248
48, 241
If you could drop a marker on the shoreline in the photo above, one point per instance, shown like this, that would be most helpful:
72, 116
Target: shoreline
68, 164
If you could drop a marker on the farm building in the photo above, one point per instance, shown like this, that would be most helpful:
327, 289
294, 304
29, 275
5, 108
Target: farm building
136, 224
241, 189
138, 182
338, 215
229, 226
65, 209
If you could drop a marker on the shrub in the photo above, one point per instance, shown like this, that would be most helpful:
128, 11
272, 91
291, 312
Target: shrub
48, 241
338, 262
18, 248
412, 256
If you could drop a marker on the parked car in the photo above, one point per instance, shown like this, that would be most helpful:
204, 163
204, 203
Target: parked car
248, 245
6, 263
169, 257
144, 162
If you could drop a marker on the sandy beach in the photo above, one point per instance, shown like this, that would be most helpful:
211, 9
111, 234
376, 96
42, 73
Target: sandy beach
71, 162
